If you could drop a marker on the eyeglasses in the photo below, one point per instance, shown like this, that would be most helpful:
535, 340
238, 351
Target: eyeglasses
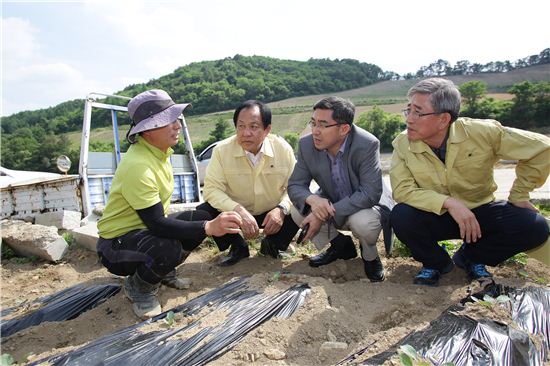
321, 125
407, 111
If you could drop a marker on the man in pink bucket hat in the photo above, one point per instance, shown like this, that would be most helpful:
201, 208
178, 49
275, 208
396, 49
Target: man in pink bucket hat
136, 237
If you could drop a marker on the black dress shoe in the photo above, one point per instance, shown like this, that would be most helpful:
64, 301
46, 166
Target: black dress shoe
341, 247
268, 249
374, 270
236, 253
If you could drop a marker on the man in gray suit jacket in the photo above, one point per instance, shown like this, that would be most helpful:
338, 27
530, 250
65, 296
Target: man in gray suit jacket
344, 160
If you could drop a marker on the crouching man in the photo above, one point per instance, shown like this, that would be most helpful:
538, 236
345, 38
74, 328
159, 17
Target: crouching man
344, 160
442, 179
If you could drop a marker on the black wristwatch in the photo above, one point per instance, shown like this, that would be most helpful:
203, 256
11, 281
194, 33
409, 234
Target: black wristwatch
284, 209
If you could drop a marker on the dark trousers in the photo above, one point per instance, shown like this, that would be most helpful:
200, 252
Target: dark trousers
280, 240
505, 231
152, 257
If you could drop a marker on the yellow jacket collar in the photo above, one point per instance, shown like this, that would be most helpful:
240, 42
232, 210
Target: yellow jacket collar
457, 134
266, 149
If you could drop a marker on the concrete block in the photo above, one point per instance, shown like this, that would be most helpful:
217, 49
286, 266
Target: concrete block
86, 236
27, 240
65, 220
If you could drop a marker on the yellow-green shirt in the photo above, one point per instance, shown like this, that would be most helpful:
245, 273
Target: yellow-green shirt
231, 179
420, 179
143, 178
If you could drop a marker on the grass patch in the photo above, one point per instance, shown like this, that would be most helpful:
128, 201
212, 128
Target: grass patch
520, 258
69, 238
543, 206
401, 250
7, 252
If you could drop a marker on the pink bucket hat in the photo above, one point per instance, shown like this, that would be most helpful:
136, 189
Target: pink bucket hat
152, 109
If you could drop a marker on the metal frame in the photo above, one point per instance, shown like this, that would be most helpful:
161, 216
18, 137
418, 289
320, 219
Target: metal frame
91, 103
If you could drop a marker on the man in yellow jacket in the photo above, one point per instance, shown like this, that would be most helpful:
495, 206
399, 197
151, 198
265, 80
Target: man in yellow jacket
248, 174
442, 180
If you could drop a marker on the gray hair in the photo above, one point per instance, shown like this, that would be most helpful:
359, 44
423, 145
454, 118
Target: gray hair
444, 95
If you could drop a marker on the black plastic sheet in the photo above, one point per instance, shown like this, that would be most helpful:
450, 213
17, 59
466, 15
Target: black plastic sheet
246, 308
460, 339
64, 305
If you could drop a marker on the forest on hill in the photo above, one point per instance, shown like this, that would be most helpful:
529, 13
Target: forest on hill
30, 140
218, 85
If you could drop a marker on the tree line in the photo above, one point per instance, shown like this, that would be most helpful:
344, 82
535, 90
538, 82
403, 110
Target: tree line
30, 140
529, 109
464, 67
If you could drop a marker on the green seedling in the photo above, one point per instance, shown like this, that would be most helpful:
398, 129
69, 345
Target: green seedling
407, 354
409, 357
520, 258
523, 273
489, 301
6, 359
254, 244
169, 319
275, 277
68, 238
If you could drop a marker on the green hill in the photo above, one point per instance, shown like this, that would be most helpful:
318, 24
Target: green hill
218, 85
292, 114
31, 139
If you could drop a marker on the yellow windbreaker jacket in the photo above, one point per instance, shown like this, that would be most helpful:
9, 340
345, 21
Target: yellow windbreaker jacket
231, 179
420, 179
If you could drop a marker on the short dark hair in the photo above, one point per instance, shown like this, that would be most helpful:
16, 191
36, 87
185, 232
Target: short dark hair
343, 110
265, 111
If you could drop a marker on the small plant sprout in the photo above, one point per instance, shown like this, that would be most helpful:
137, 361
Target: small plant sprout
68, 238
489, 301
409, 357
275, 277
169, 319
523, 273
407, 354
6, 359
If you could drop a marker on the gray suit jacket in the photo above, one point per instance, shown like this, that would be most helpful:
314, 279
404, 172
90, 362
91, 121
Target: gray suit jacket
361, 160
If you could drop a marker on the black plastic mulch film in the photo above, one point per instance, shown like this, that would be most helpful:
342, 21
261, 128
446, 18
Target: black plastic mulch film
465, 341
247, 309
450, 338
63, 305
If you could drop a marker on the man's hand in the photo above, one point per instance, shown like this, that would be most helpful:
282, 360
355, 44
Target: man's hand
321, 207
314, 226
249, 225
525, 204
465, 218
273, 221
224, 223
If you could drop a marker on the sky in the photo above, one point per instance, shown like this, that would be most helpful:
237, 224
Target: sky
54, 51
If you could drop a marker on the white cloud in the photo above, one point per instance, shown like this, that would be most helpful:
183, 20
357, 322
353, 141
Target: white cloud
31, 80
64, 51
18, 41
